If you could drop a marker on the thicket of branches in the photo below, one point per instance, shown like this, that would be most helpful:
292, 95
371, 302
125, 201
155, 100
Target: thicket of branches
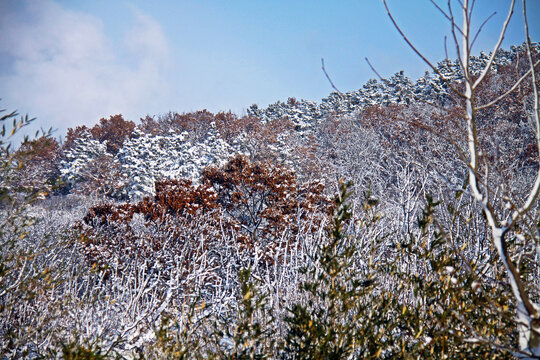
207, 235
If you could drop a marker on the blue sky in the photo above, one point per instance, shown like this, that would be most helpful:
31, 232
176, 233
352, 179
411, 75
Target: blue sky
72, 62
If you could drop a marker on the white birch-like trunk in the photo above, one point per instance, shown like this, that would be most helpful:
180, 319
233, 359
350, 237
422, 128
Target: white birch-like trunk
526, 312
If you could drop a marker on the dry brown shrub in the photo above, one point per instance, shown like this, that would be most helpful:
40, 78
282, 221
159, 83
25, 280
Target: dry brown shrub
256, 204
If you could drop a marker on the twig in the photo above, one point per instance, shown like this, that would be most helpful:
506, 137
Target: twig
514, 87
471, 9
446, 49
375, 71
536, 187
497, 46
480, 28
328, 77
465, 34
413, 48
445, 15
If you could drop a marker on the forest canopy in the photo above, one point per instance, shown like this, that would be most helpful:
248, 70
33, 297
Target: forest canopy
400, 220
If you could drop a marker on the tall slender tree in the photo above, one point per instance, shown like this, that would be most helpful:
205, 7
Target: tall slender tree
505, 215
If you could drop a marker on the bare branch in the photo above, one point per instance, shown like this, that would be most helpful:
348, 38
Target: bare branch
461, 154
445, 14
416, 98
513, 275
375, 71
480, 28
497, 46
413, 48
453, 27
514, 87
533, 75
471, 8
445, 49
536, 187
328, 77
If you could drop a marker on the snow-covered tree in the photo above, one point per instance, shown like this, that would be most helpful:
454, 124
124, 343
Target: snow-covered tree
147, 158
75, 168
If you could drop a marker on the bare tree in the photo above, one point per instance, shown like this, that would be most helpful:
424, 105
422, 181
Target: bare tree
503, 217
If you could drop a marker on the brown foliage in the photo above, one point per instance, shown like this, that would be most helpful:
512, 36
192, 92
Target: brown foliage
106, 214
197, 124
112, 237
114, 130
178, 198
177, 212
255, 203
72, 135
264, 199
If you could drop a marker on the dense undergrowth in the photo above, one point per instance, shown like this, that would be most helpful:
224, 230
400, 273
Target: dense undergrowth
262, 250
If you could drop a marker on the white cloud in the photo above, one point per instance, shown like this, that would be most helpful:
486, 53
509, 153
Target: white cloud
61, 66
147, 36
